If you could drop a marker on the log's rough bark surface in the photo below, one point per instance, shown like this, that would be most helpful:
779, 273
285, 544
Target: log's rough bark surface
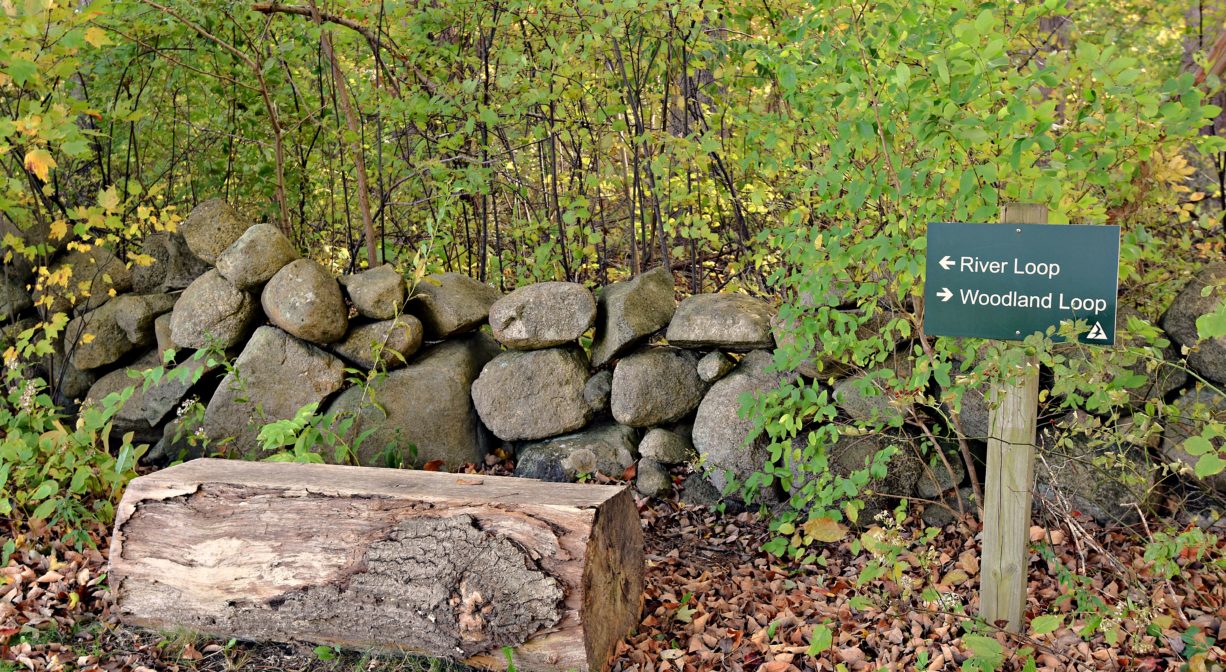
449, 565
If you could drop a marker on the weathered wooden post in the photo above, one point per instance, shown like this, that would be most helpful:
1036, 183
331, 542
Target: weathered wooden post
1014, 410
1009, 281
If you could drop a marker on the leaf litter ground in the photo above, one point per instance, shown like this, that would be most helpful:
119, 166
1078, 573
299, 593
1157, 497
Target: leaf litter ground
715, 601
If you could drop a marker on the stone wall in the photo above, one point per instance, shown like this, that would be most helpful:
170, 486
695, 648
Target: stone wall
570, 382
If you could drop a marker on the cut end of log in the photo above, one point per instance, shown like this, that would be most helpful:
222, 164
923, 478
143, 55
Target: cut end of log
432, 563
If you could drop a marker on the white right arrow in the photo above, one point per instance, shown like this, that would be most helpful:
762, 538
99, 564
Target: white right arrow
945, 294
946, 262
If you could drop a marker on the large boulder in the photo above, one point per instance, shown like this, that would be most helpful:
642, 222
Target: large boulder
629, 311
853, 452
1207, 357
377, 293
655, 387
451, 303
256, 256
105, 335
1187, 418
14, 299
211, 227
212, 312
607, 448
174, 266
720, 433
1098, 477
274, 377
543, 315
728, 321
387, 344
305, 301
533, 394
92, 277
422, 412
869, 397
131, 416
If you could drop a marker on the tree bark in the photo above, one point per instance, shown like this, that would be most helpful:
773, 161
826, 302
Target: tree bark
448, 565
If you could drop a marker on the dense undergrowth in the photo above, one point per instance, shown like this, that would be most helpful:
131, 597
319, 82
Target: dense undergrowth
796, 150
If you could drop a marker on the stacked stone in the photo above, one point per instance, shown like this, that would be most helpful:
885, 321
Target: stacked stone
575, 384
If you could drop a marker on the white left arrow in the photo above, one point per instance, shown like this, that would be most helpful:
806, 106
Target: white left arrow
945, 294
946, 262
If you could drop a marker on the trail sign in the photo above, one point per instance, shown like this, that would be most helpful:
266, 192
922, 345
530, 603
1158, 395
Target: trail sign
1008, 281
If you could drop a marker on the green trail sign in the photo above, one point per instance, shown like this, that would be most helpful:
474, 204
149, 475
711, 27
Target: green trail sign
1008, 281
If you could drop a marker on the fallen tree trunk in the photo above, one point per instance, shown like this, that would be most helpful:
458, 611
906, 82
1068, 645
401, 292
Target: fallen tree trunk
448, 565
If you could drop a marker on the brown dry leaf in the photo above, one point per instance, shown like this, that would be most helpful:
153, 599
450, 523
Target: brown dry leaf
433, 465
826, 530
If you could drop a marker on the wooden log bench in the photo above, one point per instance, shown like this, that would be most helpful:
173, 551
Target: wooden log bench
448, 565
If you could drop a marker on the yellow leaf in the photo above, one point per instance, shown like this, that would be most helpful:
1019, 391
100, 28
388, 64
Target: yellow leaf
824, 529
954, 577
109, 199
87, 339
59, 229
96, 36
40, 162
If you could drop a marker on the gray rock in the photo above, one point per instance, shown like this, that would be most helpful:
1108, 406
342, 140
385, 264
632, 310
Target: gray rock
212, 312
697, 491
607, 448
655, 386
161, 333
135, 314
714, 365
1207, 357
255, 257
597, 390
720, 432
938, 478
13, 299
131, 416
936, 515
543, 315
422, 412
105, 335
1104, 480
1186, 418
451, 303
850, 453
378, 293
653, 479
94, 274
729, 321
533, 394
274, 377
211, 227
869, 397
628, 312
305, 300
666, 447
388, 344
174, 266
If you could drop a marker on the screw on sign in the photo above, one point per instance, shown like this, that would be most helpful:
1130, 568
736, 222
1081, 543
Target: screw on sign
1008, 281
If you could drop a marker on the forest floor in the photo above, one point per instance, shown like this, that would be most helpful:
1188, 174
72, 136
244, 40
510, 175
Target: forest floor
715, 601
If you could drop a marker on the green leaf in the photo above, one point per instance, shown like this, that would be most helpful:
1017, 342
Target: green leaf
1212, 325
1044, 624
1209, 465
985, 649
821, 640
44, 510
44, 490
21, 71
1197, 445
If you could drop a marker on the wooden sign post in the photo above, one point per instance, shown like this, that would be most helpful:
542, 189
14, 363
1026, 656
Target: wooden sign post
1008, 281
1014, 409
